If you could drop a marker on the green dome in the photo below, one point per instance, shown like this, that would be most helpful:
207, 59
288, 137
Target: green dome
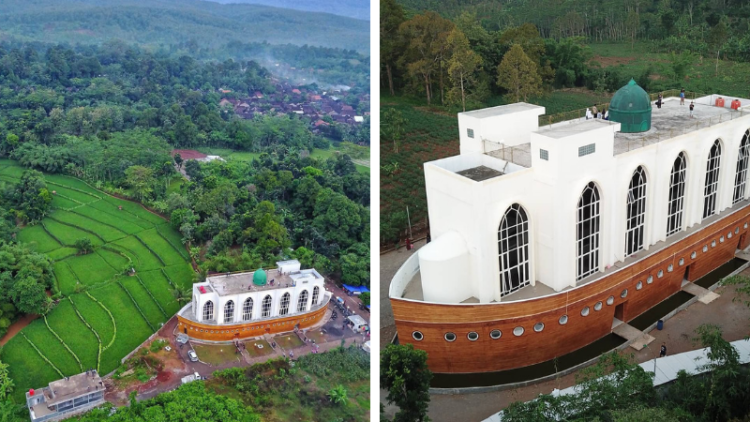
259, 278
631, 107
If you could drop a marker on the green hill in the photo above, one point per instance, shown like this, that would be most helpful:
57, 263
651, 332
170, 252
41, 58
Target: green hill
155, 22
357, 9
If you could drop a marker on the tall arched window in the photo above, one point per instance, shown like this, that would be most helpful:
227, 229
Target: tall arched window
247, 309
711, 189
208, 311
302, 302
740, 177
284, 308
229, 311
636, 218
676, 195
266, 307
316, 293
588, 231
513, 245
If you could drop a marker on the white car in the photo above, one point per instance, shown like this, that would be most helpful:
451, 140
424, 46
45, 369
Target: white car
193, 356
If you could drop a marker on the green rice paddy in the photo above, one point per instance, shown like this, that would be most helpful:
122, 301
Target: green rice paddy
102, 308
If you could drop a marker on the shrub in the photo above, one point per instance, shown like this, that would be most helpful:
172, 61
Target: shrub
84, 246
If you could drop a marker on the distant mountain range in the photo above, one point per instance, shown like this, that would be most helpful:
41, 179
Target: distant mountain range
154, 22
357, 9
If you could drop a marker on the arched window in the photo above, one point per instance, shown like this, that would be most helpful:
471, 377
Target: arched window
513, 245
284, 305
208, 311
247, 309
588, 231
676, 195
636, 219
316, 293
302, 302
740, 177
229, 311
266, 307
712, 180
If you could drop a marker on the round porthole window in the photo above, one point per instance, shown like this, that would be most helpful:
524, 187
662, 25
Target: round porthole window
473, 336
737, 230
639, 286
538, 327
745, 225
693, 255
721, 239
518, 331
713, 243
729, 235
610, 300
496, 334
670, 268
585, 311
598, 306
682, 261
624, 294
660, 274
705, 248
450, 337
417, 335
650, 279
563, 320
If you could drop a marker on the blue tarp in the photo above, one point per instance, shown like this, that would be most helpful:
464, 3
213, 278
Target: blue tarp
360, 289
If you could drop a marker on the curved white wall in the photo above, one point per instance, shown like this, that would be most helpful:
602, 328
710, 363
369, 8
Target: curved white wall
445, 269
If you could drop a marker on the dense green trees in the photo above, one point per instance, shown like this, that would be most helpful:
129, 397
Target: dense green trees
24, 278
30, 199
404, 374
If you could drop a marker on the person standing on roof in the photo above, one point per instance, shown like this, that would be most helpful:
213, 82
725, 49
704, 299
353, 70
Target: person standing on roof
692, 106
682, 96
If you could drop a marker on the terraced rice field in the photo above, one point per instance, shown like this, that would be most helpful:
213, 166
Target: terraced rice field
105, 313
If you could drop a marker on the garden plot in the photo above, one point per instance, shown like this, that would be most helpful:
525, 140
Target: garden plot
72, 194
174, 239
132, 329
26, 367
108, 233
111, 209
145, 260
146, 304
91, 269
156, 283
51, 347
60, 203
66, 278
105, 218
69, 234
115, 260
66, 324
37, 239
161, 247
136, 210
71, 183
180, 275
62, 253
96, 316
12, 170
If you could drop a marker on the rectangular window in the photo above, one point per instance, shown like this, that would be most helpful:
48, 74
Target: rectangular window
470, 133
544, 154
586, 150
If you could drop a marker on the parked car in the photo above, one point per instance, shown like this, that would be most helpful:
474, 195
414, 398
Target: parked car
193, 356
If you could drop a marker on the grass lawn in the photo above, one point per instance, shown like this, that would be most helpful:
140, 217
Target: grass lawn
62, 253
181, 275
135, 210
157, 243
112, 220
289, 341
37, 239
72, 183
115, 260
58, 202
174, 239
51, 347
96, 316
72, 194
217, 354
111, 209
254, 350
74, 333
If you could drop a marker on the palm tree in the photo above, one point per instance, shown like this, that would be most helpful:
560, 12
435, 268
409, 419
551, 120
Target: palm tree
337, 395
181, 295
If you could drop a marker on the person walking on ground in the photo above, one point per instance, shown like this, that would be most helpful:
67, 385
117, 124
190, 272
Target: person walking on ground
692, 106
588, 114
606, 114
663, 351
682, 96
594, 110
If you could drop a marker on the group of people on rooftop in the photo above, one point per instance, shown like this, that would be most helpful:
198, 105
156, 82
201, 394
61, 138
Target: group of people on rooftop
594, 113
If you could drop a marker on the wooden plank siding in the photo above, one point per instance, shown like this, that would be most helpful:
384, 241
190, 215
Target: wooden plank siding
508, 352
